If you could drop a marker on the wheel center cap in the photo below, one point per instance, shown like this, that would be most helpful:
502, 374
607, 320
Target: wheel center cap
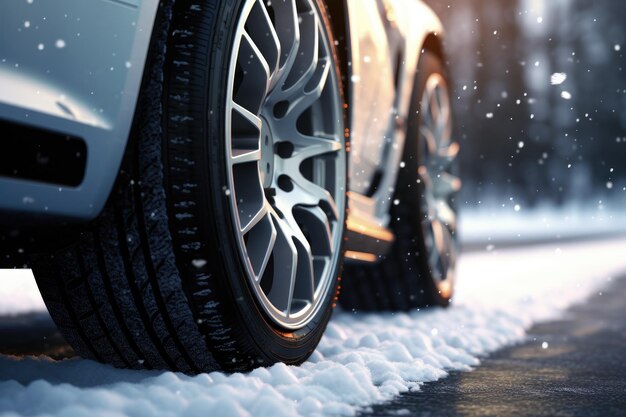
266, 164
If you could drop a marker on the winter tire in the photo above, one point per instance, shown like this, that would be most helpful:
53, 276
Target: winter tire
221, 245
419, 270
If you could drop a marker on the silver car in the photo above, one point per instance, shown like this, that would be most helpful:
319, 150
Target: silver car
189, 179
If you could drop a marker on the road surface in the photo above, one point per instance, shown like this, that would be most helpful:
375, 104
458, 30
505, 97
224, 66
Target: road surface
575, 366
381, 362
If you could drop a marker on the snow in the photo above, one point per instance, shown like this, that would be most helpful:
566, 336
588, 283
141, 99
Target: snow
511, 223
363, 358
18, 293
558, 78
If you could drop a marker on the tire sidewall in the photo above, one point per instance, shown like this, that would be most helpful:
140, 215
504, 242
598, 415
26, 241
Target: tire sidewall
258, 333
429, 64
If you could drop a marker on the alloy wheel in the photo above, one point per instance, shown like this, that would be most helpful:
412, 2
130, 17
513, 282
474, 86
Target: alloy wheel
436, 156
286, 157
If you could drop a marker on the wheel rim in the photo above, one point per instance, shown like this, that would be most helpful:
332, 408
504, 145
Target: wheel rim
436, 162
286, 157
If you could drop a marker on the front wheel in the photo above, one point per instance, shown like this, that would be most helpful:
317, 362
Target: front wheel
221, 245
420, 268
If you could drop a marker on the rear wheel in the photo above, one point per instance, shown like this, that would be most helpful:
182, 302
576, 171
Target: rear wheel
420, 268
221, 245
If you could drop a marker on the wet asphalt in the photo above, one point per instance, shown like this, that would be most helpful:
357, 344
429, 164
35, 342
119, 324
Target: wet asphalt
580, 372
32, 334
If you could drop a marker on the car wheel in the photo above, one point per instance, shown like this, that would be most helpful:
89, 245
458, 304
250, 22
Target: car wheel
419, 270
221, 245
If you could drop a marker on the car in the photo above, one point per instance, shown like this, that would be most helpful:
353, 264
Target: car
194, 183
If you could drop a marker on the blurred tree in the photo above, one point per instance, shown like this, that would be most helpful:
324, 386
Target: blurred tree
523, 136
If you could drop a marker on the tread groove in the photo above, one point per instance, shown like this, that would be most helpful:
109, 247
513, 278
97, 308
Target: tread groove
150, 269
114, 305
72, 314
130, 277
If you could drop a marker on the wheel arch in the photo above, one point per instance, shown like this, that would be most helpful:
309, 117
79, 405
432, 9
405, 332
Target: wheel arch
421, 30
338, 17
434, 43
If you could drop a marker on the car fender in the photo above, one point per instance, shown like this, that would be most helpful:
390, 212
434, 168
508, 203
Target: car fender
70, 68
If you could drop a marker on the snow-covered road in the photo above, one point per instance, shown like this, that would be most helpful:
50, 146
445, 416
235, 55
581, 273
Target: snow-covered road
363, 359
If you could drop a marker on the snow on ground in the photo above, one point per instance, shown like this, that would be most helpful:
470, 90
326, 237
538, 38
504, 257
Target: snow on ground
362, 359
498, 224
19, 293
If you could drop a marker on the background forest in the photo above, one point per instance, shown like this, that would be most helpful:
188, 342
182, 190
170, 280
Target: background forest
540, 100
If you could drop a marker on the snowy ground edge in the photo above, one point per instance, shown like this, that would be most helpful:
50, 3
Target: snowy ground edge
364, 359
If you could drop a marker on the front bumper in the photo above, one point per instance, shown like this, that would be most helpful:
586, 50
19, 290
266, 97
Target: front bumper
71, 67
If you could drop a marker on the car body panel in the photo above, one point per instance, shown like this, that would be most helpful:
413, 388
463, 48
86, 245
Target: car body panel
373, 90
73, 67
387, 38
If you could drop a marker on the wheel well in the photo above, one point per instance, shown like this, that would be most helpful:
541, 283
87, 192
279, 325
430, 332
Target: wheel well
434, 44
338, 16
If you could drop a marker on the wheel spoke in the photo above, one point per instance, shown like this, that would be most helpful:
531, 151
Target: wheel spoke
440, 154
446, 184
304, 287
426, 108
443, 132
241, 156
288, 32
305, 80
430, 138
260, 28
445, 215
307, 57
255, 219
318, 227
437, 107
261, 241
247, 121
424, 176
305, 279
302, 95
302, 278
254, 76
248, 191
443, 243
434, 262
251, 57
439, 242
312, 90
311, 194
246, 135
447, 155
443, 107
434, 105
311, 146
285, 267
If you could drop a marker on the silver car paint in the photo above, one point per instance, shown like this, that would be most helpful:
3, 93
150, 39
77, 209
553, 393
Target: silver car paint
378, 115
92, 60
75, 67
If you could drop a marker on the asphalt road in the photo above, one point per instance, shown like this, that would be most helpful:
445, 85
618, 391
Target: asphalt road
32, 334
580, 372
